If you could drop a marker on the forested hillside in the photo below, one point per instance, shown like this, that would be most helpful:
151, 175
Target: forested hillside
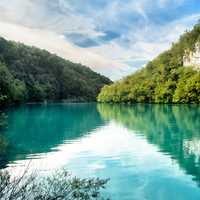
28, 74
163, 80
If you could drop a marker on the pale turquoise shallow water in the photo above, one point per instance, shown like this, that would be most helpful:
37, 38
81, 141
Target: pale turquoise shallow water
148, 151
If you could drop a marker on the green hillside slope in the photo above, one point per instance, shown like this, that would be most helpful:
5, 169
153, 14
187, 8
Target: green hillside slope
163, 80
29, 74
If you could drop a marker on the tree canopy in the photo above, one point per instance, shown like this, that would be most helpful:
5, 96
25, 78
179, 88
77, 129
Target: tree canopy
29, 74
163, 80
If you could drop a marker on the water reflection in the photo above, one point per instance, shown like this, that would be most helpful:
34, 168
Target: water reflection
3, 142
3, 151
39, 129
175, 129
148, 151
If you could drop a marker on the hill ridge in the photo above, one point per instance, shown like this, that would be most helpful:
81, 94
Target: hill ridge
166, 79
29, 74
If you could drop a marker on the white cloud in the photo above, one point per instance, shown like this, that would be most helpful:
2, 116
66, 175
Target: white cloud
46, 23
53, 16
147, 43
57, 44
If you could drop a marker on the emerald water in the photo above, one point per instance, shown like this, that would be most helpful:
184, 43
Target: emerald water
149, 152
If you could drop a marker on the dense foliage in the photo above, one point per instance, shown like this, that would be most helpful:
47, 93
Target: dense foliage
163, 80
29, 74
59, 186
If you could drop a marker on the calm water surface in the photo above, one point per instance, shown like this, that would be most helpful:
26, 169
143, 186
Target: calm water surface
149, 152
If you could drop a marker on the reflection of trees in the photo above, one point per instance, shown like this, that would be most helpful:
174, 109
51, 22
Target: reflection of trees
3, 151
3, 143
174, 128
38, 129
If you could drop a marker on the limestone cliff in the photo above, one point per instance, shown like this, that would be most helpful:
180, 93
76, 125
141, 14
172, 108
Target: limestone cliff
192, 58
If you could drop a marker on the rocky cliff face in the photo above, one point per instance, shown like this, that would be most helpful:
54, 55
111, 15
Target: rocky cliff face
192, 58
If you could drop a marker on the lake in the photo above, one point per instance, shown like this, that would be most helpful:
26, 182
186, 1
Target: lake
149, 152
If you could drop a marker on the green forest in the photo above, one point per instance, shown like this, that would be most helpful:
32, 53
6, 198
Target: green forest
28, 74
163, 80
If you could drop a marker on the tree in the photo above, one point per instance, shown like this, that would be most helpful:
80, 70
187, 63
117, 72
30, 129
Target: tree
163, 80
59, 186
29, 74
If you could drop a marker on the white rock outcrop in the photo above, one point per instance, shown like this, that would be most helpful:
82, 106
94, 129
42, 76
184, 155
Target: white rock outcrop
192, 58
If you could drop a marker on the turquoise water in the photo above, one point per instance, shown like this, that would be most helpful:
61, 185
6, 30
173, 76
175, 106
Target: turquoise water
149, 152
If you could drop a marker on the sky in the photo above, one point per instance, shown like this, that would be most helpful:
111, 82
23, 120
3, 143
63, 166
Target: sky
112, 37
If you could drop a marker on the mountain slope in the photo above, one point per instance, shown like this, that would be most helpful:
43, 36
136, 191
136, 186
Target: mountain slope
30, 74
163, 80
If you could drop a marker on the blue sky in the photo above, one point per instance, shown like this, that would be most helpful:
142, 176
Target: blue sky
114, 37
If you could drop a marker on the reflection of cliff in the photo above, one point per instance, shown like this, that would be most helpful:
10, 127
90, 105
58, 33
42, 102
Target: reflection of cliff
173, 128
38, 129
